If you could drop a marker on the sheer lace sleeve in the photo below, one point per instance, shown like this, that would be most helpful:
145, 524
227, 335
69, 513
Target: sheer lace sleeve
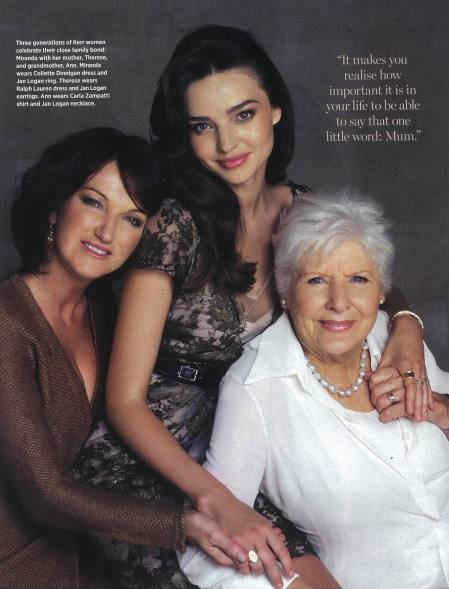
169, 242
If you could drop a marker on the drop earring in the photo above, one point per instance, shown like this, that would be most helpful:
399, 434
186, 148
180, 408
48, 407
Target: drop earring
51, 234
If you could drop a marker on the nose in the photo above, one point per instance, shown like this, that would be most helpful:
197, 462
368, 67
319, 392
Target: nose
338, 299
226, 140
105, 230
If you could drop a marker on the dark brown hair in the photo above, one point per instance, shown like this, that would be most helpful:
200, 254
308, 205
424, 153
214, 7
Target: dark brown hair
213, 204
64, 167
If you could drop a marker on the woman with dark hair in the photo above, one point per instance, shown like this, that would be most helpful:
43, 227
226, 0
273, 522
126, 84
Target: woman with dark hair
222, 116
79, 214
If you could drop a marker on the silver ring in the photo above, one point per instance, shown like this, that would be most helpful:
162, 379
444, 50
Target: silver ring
392, 398
253, 557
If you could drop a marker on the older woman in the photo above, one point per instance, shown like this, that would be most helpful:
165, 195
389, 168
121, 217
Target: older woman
295, 418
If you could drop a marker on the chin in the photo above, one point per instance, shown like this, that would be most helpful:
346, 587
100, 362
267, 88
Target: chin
341, 348
89, 273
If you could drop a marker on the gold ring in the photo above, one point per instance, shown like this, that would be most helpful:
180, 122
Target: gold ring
408, 374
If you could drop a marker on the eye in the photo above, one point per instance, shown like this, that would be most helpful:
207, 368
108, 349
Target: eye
317, 280
246, 115
134, 221
90, 201
359, 279
199, 128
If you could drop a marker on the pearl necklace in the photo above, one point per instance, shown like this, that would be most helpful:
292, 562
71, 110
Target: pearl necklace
355, 385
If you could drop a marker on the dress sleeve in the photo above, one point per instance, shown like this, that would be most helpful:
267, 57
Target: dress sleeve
169, 242
31, 464
237, 457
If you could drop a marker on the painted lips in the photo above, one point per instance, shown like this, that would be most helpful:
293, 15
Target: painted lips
97, 251
233, 162
337, 326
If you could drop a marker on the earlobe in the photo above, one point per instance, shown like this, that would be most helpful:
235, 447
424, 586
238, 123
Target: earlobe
52, 217
277, 114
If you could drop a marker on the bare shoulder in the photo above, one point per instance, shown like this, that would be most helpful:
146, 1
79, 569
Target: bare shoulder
282, 196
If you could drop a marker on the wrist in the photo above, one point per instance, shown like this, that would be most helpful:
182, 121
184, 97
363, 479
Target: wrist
408, 320
189, 528
212, 499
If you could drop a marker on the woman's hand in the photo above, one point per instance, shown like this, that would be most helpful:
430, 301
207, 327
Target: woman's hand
405, 352
439, 415
384, 382
205, 533
251, 531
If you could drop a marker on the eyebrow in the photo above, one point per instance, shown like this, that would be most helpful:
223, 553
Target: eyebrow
135, 210
316, 272
86, 187
229, 110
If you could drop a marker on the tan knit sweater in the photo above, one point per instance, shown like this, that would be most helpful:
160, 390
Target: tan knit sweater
44, 418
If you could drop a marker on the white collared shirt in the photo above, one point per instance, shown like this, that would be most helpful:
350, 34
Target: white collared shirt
373, 498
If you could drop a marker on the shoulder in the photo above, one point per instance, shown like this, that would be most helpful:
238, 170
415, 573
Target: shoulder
285, 194
22, 330
242, 367
172, 216
13, 299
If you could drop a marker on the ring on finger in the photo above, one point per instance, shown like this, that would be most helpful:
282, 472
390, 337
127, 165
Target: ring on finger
407, 374
392, 398
253, 557
421, 381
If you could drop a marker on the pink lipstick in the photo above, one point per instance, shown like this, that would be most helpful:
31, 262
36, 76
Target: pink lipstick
337, 326
230, 163
98, 251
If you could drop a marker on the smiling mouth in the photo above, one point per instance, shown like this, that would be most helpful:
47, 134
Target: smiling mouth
96, 250
233, 162
337, 326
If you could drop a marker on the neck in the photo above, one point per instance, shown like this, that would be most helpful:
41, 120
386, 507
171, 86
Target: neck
340, 371
58, 296
252, 195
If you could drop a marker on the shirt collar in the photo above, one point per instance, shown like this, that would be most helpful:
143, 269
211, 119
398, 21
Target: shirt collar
279, 352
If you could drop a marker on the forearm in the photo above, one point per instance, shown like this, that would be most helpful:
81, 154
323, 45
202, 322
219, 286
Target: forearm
81, 509
135, 349
148, 437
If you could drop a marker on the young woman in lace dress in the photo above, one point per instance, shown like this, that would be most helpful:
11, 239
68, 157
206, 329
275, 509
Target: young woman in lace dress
200, 288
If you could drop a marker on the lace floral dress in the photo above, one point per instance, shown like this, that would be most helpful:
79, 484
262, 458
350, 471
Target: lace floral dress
202, 326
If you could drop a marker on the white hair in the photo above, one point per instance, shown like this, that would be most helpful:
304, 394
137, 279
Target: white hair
319, 222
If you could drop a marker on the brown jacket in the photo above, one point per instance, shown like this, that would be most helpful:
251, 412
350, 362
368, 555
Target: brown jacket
44, 418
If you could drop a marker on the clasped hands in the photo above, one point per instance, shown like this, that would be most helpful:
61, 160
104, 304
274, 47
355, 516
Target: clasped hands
227, 530
413, 398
